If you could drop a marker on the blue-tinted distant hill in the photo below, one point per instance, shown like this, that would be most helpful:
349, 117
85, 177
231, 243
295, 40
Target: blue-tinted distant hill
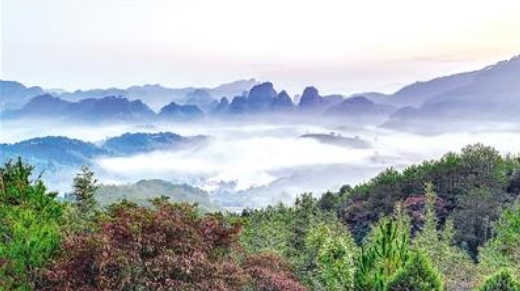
111, 108
51, 152
490, 94
262, 98
360, 109
174, 111
42, 106
202, 99
14, 95
134, 143
47, 152
157, 96
107, 109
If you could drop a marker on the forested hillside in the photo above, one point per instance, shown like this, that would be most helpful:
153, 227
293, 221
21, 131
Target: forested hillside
447, 224
143, 191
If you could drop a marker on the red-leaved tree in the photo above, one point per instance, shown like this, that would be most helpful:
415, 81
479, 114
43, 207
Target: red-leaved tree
271, 272
168, 247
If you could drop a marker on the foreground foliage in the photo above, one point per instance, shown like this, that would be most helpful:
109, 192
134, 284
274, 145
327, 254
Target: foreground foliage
29, 229
319, 248
417, 275
386, 253
168, 247
501, 281
447, 224
503, 251
472, 187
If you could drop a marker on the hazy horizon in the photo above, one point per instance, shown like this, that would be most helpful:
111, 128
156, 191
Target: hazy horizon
338, 47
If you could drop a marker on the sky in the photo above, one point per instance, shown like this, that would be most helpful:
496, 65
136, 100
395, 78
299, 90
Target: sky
339, 46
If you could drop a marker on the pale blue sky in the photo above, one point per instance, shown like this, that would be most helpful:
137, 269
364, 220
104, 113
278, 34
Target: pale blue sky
337, 45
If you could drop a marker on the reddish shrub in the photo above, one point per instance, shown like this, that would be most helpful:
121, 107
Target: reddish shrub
270, 272
415, 207
136, 248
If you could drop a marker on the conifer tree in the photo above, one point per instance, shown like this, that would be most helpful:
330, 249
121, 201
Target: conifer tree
85, 186
417, 275
501, 281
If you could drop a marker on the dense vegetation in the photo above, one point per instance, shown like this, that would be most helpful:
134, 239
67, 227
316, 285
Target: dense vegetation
450, 224
142, 191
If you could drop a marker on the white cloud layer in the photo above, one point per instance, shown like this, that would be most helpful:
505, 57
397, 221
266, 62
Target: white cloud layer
262, 154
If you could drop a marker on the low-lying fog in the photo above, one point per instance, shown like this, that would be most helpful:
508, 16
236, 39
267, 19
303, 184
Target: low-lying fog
267, 160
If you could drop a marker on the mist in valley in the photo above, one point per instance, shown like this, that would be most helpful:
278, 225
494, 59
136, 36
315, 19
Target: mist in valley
255, 162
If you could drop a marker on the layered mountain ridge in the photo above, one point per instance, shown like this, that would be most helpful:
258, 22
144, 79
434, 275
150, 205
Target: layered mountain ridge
491, 93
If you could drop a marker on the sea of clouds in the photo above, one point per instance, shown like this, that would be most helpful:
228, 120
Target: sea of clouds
267, 156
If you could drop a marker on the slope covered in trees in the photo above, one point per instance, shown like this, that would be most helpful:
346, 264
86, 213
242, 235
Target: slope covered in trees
450, 224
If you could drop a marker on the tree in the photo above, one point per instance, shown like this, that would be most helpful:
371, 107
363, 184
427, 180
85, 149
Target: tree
328, 201
305, 212
167, 247
503, 251
270, 272
500, 281
475, 185
85, 186
386, 252
29, 229
438, 244
334, 251
417, 275
267, 230
478, 209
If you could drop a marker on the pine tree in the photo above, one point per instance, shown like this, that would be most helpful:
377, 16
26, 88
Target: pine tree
501, 281
438, 245
386, 252
417, 275
85, 186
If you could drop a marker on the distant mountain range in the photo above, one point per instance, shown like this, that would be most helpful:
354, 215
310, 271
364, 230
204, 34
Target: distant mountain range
15, 95
49, 153
488, 94
111, 108
135, 143
491, 94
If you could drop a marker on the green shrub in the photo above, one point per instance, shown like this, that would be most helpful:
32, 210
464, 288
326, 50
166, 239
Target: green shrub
456, 266
503, 251
29, 228
417, 275
501, 281
333, 250
386, 252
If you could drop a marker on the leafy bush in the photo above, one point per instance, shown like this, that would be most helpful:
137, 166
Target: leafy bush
501, 281
503, 251
334, 252
417, 275
267, 229
29, 230
270, 272
136, 248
